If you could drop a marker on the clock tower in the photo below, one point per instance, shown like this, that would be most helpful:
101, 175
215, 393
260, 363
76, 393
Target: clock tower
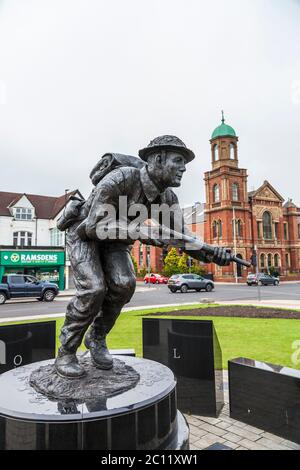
228, 215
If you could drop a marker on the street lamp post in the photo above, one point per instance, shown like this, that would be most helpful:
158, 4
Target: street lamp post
234, 244
148, 268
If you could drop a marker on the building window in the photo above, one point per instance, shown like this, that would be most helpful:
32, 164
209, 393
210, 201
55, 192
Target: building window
299, 231
141, 255
258, 230
287, 260
216, 193
22, 239
276, 260
216, 153
235, 192
269, 260
237, 229
232, 152
57, 238
217, 229
22, 213
267, 226
276, 226
262, 260
285, 231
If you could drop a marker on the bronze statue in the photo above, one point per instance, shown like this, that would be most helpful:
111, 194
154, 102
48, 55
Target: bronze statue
103, 271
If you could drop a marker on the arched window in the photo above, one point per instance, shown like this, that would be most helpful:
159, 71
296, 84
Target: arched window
217, 229
22, 239
269, 260
287, 260
216, 191
216, 152
276, 260
237, 231
232, 151
267, 226
235, 192
220, 228
262, 260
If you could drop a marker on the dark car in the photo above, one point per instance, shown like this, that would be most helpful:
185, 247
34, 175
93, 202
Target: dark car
262, 279
185, 282
16, 286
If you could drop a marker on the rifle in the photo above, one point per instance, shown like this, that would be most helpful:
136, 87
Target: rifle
162, 235
199, 245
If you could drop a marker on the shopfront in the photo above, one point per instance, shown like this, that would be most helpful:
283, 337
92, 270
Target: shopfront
45, 265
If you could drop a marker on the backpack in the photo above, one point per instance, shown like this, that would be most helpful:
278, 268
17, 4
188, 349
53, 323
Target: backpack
107, 163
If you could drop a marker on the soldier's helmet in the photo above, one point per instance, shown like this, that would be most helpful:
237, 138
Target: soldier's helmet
167, 142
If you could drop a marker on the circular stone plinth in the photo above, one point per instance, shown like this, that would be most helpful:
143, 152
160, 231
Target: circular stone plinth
95, 384
142, 418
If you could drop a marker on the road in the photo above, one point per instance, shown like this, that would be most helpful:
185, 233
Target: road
158, 295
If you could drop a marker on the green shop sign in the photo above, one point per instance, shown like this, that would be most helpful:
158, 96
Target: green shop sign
32, 258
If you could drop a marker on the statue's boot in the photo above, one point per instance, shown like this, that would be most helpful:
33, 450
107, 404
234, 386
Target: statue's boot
98, 349
67, 365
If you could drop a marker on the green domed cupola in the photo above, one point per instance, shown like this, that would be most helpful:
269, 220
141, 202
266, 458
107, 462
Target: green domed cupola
223, 130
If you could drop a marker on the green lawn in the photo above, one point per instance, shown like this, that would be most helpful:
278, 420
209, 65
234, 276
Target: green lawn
267, 340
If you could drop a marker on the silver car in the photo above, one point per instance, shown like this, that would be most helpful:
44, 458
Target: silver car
185, 282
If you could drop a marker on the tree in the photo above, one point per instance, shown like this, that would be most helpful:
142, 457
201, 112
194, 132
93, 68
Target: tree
171, 263
134, 264
183, 263
198, 269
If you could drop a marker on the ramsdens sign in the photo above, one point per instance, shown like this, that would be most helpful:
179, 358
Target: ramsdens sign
22, 258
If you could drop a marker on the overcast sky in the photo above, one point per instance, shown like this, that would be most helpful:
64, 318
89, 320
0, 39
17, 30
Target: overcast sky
79, 78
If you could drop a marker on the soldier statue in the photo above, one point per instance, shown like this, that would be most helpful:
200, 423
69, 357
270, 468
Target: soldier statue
103, 271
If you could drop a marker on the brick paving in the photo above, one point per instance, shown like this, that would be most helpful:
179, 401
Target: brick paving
205, 431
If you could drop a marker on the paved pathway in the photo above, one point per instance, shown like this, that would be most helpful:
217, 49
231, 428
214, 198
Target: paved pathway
205, 432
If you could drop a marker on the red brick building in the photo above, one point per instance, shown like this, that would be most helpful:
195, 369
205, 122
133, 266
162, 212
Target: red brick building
241, 220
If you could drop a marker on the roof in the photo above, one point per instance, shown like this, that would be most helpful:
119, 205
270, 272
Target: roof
260, 191
289, 203
46, 207
223, 130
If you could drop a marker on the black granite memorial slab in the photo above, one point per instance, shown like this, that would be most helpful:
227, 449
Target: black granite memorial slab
266, 396
144, 417
23, 344
190, 348
218, 446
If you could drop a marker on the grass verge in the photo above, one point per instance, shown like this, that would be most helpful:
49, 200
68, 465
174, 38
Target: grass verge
269, 340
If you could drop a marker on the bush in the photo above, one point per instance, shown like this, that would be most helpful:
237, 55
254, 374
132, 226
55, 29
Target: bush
142, 272
198, 269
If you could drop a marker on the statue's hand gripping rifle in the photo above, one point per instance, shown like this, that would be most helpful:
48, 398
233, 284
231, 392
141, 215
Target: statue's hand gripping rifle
181, 240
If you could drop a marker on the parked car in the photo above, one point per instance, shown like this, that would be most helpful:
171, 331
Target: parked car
16, 286
262, 279
185, 282
155, 279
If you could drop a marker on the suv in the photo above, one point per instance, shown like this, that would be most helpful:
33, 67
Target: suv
16, 286
262, 279
185, 282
